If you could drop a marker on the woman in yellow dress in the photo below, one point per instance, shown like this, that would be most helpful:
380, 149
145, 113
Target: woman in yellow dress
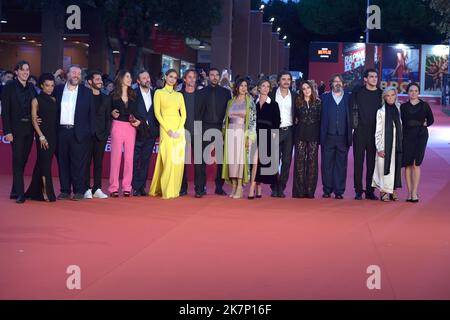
170, 111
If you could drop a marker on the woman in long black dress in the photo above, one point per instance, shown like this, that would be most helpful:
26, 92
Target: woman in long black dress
43, 108
307, 132
267, 119
416, 117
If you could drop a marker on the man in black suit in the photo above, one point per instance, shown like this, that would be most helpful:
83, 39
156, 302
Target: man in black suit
365, 102
146, 135
76, 112
17, 126
102, 105
212, 108
191, 101
285, 98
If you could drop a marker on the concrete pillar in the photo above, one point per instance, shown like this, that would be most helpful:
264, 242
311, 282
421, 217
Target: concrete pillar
287, 51
370, 56
281, 64
274, 53
98, 48
254, 54
266, 49
52, 25
240, 37
221, 38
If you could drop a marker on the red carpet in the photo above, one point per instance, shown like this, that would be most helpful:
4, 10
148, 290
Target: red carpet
219, 248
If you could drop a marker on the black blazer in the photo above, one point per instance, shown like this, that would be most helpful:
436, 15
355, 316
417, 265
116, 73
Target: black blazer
213, 114
84, 112
189, 125
152, 128
327, 103
273, 96
103, 118
11, 109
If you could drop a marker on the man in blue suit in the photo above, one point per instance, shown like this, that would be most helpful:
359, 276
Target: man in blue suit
76, 113
335, 138
147, 133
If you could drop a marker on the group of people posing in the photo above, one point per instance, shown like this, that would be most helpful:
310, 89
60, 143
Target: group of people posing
247, 137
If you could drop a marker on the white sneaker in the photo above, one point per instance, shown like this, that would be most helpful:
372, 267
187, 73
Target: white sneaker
99, 194
88, 194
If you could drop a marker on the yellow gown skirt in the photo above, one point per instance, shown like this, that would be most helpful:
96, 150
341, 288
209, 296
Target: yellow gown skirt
169, 167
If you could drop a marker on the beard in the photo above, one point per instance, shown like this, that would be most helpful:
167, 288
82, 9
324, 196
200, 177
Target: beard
337, 88
74, 81
145, 85
97, 86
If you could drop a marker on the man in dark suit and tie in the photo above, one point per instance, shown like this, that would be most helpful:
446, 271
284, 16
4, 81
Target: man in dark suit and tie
76, 113
17, 127
335, 138
146, 135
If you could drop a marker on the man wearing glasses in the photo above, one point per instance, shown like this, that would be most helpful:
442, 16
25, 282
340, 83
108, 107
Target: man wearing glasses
335, 138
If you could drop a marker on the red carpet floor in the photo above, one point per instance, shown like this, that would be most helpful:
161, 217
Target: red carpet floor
218, 248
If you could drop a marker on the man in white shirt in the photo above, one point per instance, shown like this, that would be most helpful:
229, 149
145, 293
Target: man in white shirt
76, 128
286, 102
146, 134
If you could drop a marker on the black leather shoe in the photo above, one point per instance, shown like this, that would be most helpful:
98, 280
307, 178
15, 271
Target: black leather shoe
220, 192
310, 196
281, 195
20, 199
274, 194
198, 194
78, 197
358, 196
137, 193
326, 195
339, 197
143, 193
12, 196
63, 196
183, 193
371, 196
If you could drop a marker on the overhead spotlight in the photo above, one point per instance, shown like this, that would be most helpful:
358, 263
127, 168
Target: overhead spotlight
361, 37
156, 24
64, 38
272, 20
4, 21
285, 37
24, 38
278, 29
116, 51
262, 7
288, 44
